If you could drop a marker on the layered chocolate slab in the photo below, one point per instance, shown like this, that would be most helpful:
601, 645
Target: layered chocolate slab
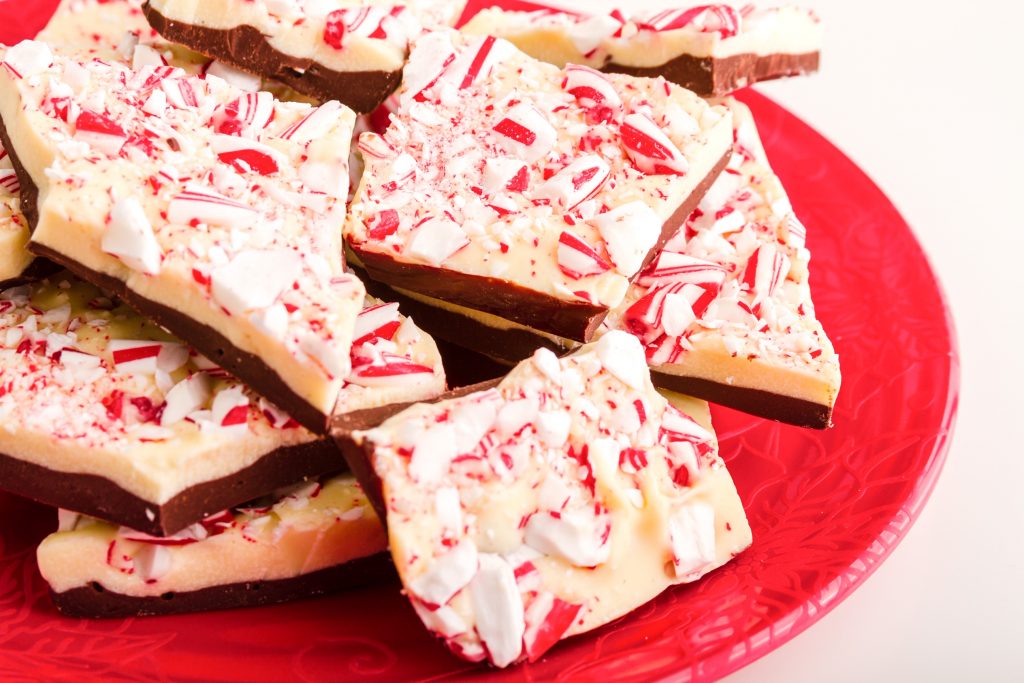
212, 210
349, 51
710, 49
305, 541
521, 190
108, 415
550, 503
724, 310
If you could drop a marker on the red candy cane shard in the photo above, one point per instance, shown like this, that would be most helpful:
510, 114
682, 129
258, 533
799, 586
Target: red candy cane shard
100, 132
381, 321
649, 148
525, 132
577, 259
576, 183
670, 267
591, 88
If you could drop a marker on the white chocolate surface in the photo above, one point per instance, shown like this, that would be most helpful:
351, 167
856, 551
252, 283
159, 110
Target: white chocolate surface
575, 478
187, 211
14, 231
311, 527
568, 215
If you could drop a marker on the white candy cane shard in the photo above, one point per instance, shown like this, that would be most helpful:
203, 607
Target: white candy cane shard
186, 396
670, 267
588, 34
629, 232
692, 535
649, 148
577, 259
623, 356
381, 321
436, 239
591, 88
427, 60
575, 183
317, 123
525, 132
432, 454
718, 18
474, 62
498, 607
765, 271
254, 279
240, 79
547, 619
199, 205
446, 575
575, 536
28, 58
246, 115
129, 236
501, 174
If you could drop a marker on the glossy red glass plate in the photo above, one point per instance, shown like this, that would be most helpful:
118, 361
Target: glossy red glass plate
826, 507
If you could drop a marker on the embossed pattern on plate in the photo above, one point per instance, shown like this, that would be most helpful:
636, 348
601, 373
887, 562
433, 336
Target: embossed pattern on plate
826, 507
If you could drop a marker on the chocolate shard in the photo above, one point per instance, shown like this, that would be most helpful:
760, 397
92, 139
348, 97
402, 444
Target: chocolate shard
719, 76
97, 496
246, 48
95, 602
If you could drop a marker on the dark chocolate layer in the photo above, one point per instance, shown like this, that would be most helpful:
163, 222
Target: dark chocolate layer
359, 456
246, 48
514, 345
572, 320
95, 601
716, 77
100, 497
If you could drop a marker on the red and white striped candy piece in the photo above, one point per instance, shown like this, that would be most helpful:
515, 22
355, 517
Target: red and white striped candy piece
591, 88
430, 55
316, 124
230, 409
670, 267
525, 132
502, 173
588, 34
246, 155
722, 19
390, 371
129, 236
498, 607
254, 279
576, 183
200, 205
369, 22
277, 418
246, 115
382, 225
182, 93
376, 322
436, 239
9, 181
100, 132
692, 536
28, 58
630, 232
185, 397
666, 310
137, 356
765, 271
547, 618
473, 63
649, 148
577, 259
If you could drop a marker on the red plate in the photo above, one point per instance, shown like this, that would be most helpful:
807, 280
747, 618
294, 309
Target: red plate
826, 507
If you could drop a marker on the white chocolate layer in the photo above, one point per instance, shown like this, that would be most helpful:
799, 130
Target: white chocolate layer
341, 35
312, 527
90, 387
558, 181
14, 233
656, 37
564, 498
186, 189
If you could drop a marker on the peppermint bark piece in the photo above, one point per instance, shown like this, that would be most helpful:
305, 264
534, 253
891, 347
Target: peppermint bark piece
521, 190
106, 414
14, 232
710, 49
313, 539
349, 50
212, 210
725, 310
558, 500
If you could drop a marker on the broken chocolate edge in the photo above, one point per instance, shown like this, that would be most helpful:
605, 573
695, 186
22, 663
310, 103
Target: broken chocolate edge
246, 48
97, 496
359, 456
720, 76
528, 307
96, 602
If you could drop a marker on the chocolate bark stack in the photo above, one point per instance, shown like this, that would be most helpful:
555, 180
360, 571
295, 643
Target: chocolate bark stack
604, 242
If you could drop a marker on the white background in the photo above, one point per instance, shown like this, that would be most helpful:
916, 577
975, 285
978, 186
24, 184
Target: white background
927, 98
